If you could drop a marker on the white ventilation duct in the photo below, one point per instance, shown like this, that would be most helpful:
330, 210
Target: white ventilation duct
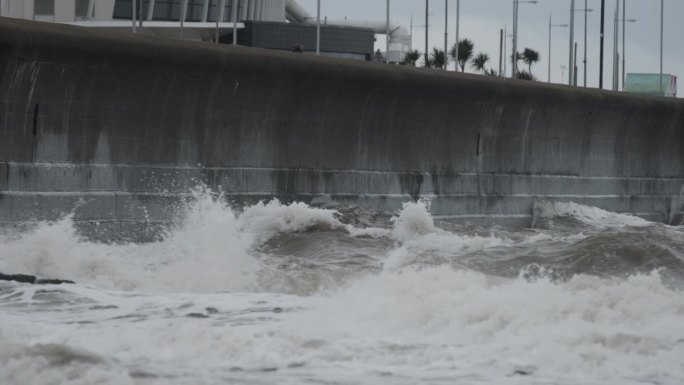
400, 37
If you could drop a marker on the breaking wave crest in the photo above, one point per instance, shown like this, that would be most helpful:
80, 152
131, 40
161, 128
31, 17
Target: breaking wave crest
288, 290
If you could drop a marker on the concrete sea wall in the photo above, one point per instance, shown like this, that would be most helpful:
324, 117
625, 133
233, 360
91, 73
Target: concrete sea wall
116, 128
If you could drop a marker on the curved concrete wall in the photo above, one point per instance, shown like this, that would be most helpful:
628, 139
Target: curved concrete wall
129, 123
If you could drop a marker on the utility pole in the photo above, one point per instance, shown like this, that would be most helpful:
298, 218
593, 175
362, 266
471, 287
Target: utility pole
624, 16
586, 11
427, 9
549, 60
616, 33
501, 40
574, 65
603, 22
571, 65
458, 20
514, 54
550, 49
662, 19
505, 70
514, 43
446, 34
387, 28
318, 27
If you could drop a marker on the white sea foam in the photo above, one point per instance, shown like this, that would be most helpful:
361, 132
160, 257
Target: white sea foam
201, 315
592, 216
414, 325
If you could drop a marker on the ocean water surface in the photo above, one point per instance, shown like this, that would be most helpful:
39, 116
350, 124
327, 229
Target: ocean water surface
293, 294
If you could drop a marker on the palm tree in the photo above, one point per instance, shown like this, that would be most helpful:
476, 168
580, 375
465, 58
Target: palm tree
463, 53
524, 75
437, 58
530, 56
411, 58
479, 62
518, 56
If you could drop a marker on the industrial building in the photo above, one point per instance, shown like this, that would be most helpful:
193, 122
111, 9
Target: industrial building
273, 24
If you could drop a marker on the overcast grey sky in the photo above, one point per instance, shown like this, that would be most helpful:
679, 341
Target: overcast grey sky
481, 21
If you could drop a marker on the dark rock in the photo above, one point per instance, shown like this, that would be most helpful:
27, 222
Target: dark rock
25, 278
53, 281
22, 278
197, 315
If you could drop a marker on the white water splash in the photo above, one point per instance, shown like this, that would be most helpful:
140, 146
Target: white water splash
592, 216
415, 230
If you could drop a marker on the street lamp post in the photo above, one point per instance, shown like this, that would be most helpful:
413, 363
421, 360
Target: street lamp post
624, 36
514, 54
458, 20
505, 49
427, 9
601, 42
572, 41
662, 19
624, 16
446, 33
514, 43
616, 59
551, 26
318, 27
387, 35
586, 11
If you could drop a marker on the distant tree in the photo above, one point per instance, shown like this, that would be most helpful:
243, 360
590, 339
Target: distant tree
517, 56
411, 58
524, 75
491, 72
437, 58
479, 62
530, 56
462, 53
